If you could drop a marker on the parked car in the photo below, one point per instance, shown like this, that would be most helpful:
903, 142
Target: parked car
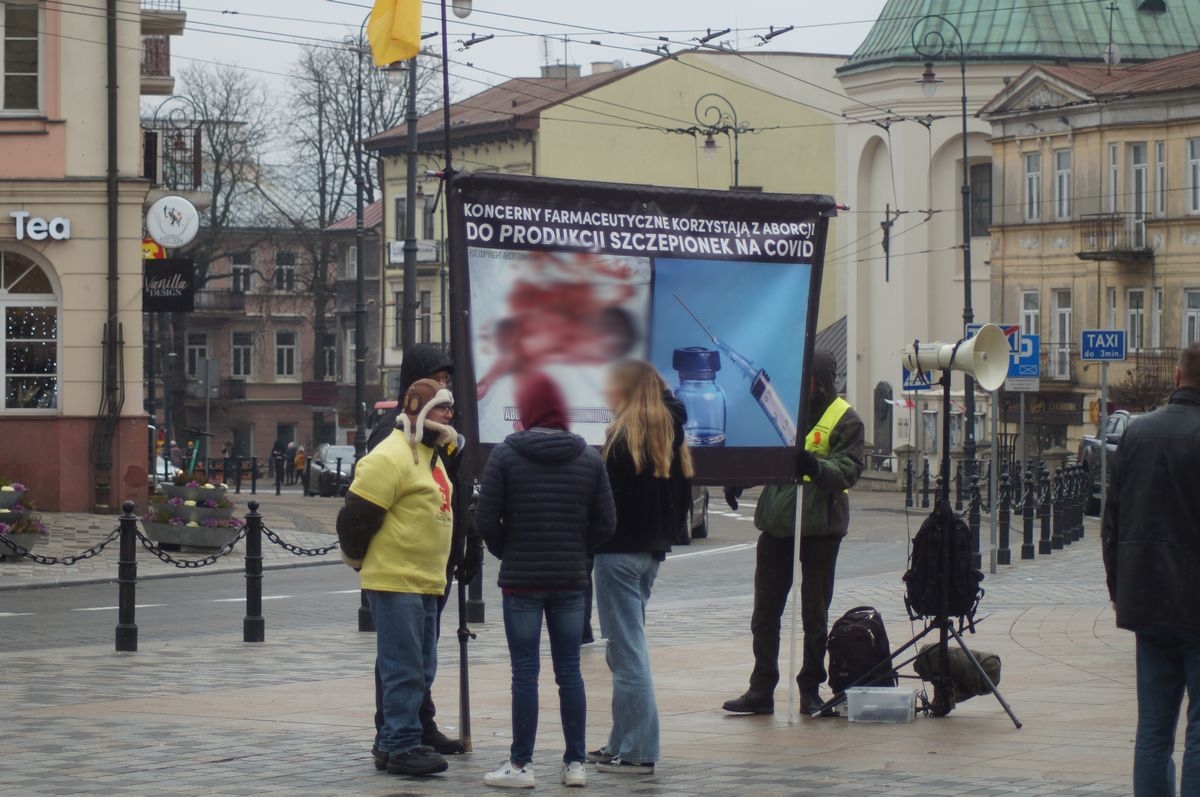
1089, 453
326, 476
162, 471
697, 525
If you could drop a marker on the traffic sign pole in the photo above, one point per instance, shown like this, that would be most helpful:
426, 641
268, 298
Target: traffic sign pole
1103, 346
1103, 436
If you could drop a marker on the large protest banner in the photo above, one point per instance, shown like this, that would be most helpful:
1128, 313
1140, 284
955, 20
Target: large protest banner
718, 289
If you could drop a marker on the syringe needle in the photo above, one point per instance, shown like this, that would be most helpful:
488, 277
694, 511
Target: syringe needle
696, 318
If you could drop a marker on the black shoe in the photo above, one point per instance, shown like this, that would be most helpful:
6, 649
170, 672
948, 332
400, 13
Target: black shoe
588, 636
442, 743
380, 756
601, 756
811, 703
418, 761
753, 702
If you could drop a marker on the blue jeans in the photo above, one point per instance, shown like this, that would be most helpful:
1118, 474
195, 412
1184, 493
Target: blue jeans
406, 655
1168, 663
523, 627
623, 583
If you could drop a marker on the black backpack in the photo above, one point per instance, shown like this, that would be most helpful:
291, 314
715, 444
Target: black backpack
923, 581
858, 644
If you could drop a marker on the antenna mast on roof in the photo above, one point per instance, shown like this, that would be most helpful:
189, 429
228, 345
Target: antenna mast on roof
545, 51
1112, 53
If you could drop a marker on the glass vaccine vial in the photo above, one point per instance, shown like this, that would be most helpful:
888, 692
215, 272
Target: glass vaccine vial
701, 395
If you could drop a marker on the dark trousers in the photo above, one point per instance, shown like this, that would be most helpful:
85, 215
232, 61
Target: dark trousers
773, 574
428, 710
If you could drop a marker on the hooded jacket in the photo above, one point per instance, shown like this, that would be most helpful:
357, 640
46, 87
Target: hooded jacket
650, 510
421, 362
1151, 532
826, 506
544, 507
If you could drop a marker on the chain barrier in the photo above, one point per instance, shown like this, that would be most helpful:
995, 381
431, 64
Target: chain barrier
296, 549
65, 561
224, 551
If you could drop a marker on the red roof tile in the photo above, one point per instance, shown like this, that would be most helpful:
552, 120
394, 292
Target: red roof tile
372, 218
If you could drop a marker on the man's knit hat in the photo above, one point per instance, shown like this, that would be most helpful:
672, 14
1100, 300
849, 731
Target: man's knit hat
421, 397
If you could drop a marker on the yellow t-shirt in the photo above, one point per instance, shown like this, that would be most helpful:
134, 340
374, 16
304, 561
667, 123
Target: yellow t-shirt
410, 550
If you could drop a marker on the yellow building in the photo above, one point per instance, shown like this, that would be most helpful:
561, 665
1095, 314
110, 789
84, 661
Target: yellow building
1097, 226
72, 417
644, 124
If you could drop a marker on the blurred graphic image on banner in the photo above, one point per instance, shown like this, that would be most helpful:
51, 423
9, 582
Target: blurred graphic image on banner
567, 314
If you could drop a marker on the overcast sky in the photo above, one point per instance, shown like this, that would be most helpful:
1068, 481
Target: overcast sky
261, 35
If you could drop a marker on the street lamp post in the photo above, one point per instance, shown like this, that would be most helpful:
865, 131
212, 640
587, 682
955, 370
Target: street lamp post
931, 44
719, 116
360, 245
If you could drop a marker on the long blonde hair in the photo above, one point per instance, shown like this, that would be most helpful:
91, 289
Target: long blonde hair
643, 421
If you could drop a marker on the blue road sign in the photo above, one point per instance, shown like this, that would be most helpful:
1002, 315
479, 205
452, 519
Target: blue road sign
1012, 333
1103, 345
915, 380
1026, 363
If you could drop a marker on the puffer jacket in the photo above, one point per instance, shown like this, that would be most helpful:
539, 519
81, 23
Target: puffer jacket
1151, 532
544, 506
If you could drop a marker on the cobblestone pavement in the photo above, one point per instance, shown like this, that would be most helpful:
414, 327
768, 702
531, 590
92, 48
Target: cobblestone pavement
291, 716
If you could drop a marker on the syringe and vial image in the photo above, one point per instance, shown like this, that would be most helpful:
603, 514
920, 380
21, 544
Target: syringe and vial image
705, 399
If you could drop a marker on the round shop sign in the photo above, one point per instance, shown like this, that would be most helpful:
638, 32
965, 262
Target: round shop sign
173, 222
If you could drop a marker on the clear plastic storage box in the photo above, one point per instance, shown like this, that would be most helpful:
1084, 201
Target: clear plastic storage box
881, 704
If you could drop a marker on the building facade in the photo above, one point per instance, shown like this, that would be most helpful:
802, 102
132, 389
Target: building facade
901, 155
1098, 226
636, 125
70, 256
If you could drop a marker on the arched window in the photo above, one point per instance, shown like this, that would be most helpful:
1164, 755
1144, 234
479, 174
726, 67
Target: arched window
29, 355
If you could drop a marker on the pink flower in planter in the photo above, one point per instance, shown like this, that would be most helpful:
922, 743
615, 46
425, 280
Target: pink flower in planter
176, 521
3, 529
209, 504
176, 501
18, 487
210, 523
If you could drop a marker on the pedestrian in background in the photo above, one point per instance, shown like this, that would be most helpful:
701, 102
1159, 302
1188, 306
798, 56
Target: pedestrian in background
830, 463
395, 528
650, 470
289, 462
1151, 543
544, 506
424, 361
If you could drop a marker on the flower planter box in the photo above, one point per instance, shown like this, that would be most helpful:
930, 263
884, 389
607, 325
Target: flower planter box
199, 513
188, 536
194, 493
26, 541
9, 498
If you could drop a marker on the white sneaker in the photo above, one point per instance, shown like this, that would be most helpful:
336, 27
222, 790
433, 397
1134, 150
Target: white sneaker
511, 776
573, 774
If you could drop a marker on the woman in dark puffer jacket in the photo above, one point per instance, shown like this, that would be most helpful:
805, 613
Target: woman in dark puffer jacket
544, 506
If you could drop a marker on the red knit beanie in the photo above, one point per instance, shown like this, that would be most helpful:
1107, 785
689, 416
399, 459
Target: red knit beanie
541, 404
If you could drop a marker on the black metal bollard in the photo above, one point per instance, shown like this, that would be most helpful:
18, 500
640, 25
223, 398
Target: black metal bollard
1082, 486
253, 475
1068, 502
1003, 520
1027, 505
127, 635
253, 625
366, 622
973, 507
1045, 546
908, 484
1059, 497
278, 474
925, 486
237, 476
958, 487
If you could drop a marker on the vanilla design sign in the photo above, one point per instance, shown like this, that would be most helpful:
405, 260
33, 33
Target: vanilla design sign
169, 286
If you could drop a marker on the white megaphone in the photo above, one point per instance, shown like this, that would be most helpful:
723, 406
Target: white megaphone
984, 357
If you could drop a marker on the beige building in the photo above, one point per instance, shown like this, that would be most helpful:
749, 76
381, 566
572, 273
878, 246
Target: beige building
903, 151
642, 124
70, 256
1097, 226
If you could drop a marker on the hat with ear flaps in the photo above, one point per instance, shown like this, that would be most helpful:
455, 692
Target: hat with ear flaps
421, 397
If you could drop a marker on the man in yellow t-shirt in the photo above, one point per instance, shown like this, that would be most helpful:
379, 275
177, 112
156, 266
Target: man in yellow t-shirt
395, 529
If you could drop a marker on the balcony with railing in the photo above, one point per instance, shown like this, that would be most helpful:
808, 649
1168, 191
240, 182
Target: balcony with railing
165, 17
1114, 236
1056, 362
226, 302
156, 64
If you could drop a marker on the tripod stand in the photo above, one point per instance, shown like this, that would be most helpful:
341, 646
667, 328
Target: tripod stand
941, 622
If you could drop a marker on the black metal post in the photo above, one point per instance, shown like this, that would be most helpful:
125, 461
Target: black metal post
237, 477
253, 625
1059, 496
360, 244
958, 487
366, 623
278, 474
1004, 520
1045, 546
1082, 486
973, 520
127, 633
1027, 506
908, 484
253, 475
408, 318
925, 485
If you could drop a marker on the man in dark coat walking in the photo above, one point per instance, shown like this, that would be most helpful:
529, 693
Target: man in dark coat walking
1151, 542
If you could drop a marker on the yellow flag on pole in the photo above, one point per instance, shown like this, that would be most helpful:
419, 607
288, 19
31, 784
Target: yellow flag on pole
394, 30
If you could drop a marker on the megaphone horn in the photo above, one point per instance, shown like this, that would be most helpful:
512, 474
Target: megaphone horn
984, 357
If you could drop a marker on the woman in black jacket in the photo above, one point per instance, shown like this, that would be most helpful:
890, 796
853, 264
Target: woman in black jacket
544, 507
650, 469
